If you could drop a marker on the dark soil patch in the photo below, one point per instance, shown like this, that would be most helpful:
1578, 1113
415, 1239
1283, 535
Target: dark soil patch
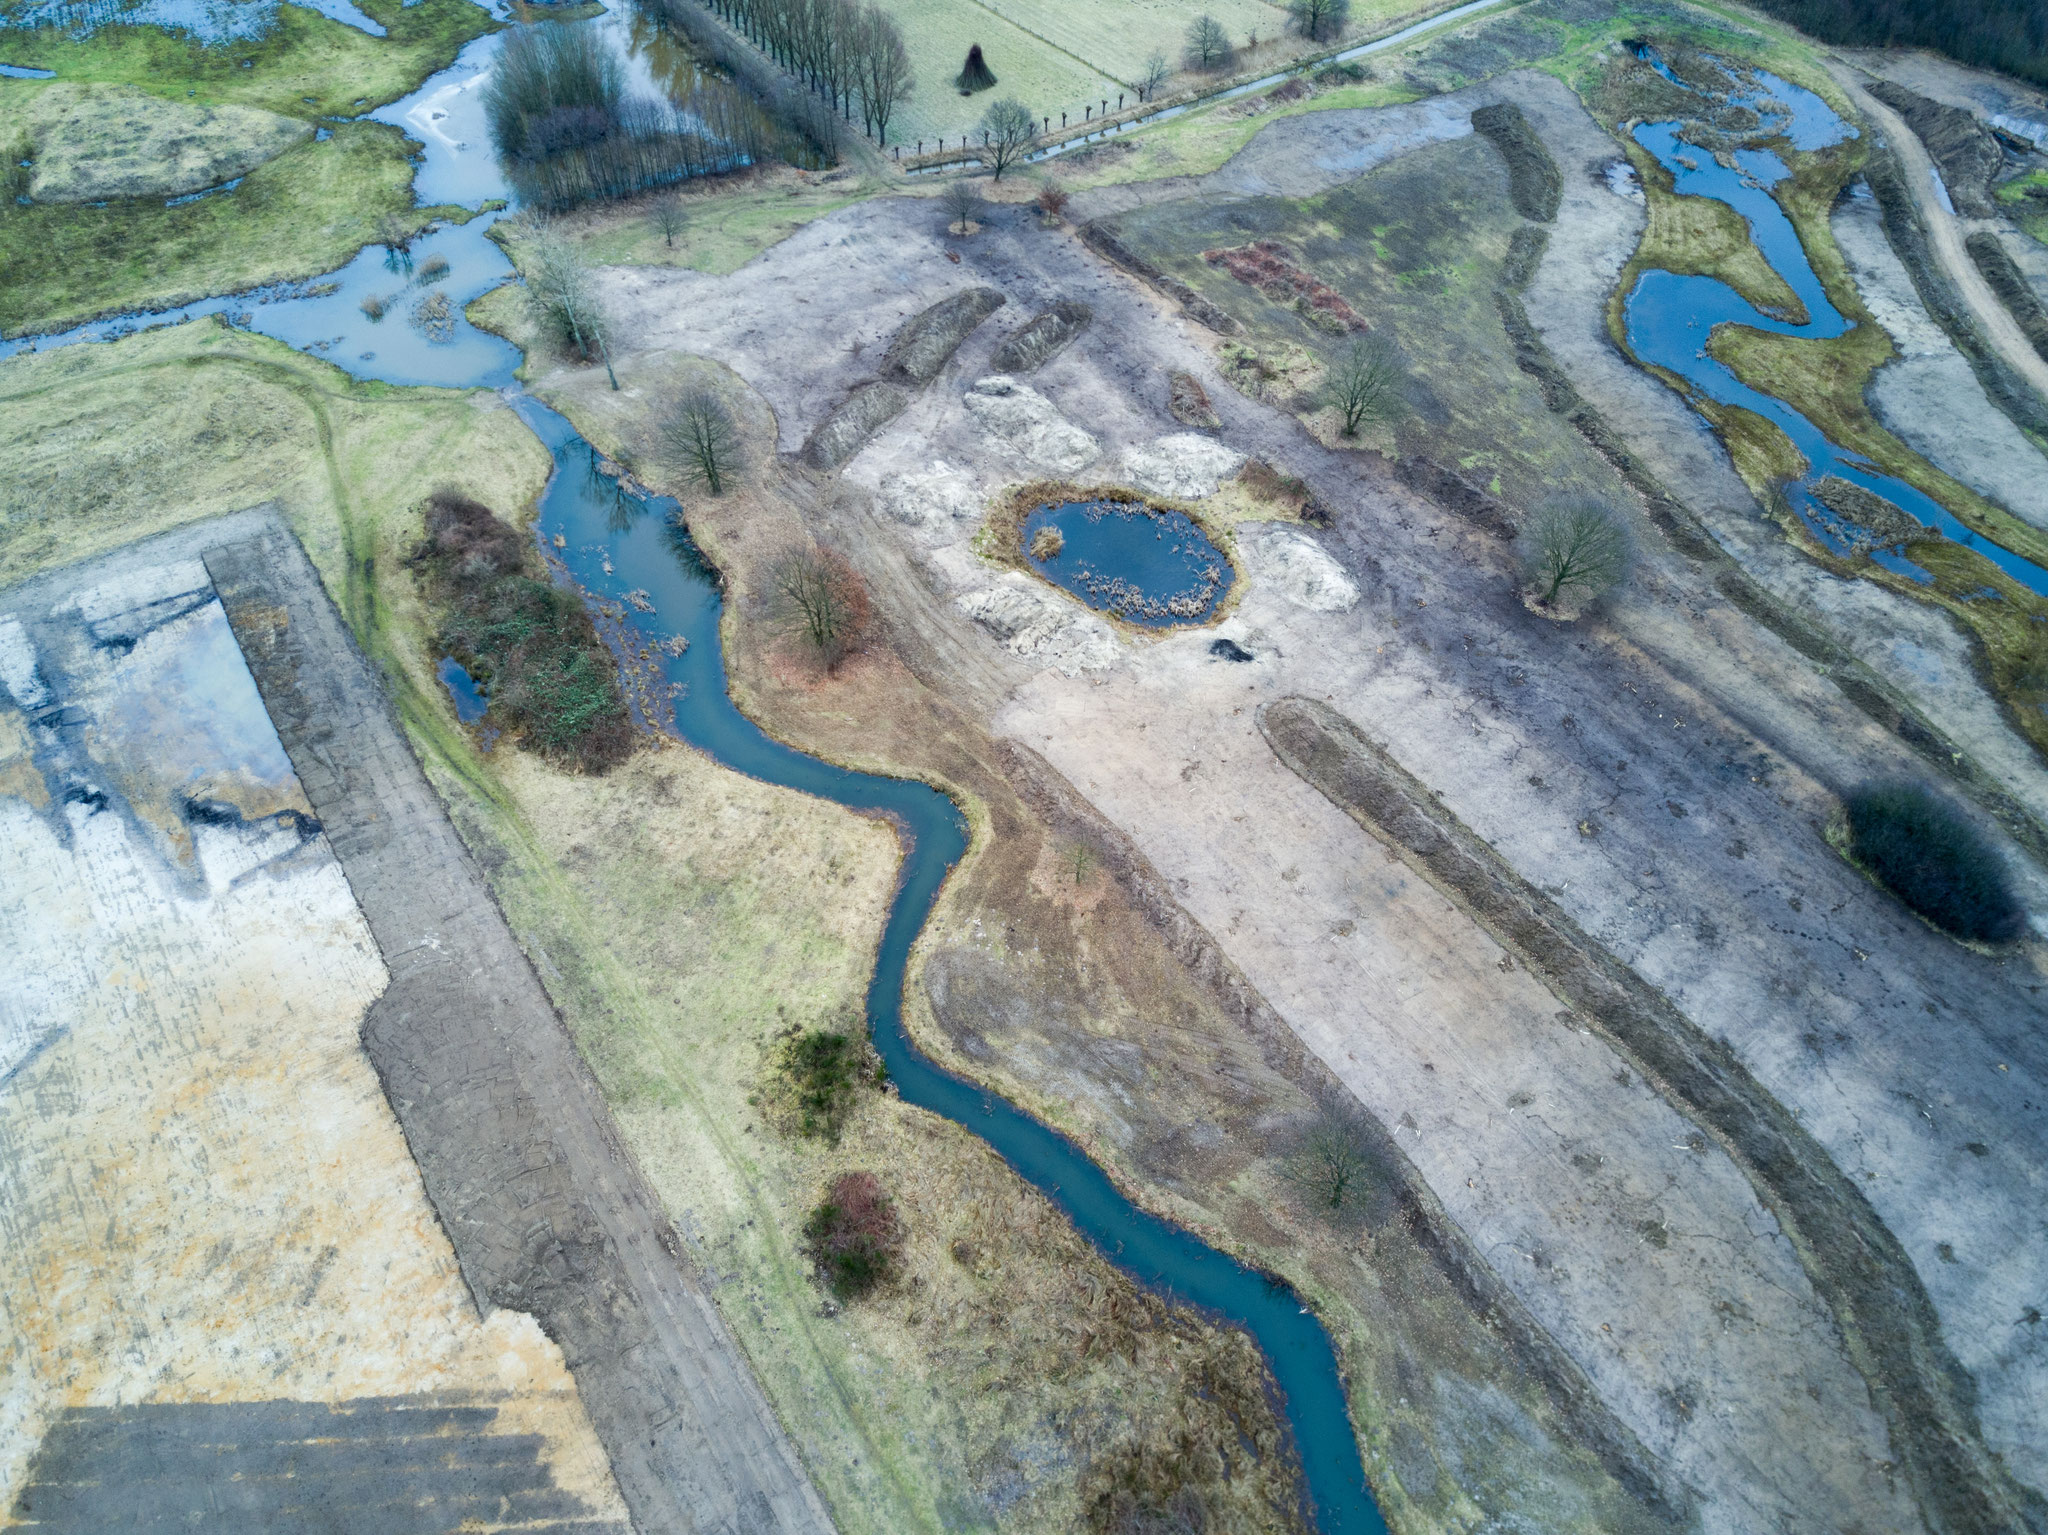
926, 342
1047, 335
858, 417
1964, 149
552, 682
1533, 178
2013, 290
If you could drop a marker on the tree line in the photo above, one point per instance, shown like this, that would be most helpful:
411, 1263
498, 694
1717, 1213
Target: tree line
849, 54
2006, 35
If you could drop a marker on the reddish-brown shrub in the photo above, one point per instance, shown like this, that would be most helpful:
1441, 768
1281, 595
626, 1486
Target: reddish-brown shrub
1269, 267
855, 1234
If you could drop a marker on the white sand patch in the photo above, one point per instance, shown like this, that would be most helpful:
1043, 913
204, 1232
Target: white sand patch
1186, 466
1026, 422
1033, 622
1299, 570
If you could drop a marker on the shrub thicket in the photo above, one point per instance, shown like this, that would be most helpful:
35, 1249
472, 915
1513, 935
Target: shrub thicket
1928, 854
552, 683
855, 1235
567, 131
821, 1071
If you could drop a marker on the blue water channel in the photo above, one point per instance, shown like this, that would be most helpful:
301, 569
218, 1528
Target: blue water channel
1134, 562
1669, 318
615, 543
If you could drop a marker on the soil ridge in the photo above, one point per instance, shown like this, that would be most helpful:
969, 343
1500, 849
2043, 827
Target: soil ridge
1887, 1321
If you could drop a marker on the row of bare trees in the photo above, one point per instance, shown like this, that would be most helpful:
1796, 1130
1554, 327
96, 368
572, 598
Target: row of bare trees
850, 54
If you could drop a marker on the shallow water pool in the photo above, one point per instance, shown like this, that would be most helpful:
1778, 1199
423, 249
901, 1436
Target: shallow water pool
1139, 563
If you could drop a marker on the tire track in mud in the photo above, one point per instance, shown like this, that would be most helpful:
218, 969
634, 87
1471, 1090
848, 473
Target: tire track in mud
1888, 1324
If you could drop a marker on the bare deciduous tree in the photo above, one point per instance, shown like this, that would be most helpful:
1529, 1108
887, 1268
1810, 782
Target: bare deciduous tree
819, 601
1329, 1164
881, 76
668, 217
1318, 19
1052, 198
1006, 132
1153, 76
1571, 552
564, 300
1363, 381
963, 205
701, 440
1208, 45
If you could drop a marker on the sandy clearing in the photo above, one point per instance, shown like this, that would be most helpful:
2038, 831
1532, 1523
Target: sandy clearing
206, 1196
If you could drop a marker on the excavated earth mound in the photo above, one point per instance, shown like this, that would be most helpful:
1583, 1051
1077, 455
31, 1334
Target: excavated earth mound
1040, 341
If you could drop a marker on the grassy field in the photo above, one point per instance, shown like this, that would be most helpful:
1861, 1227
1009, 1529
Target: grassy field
308, 66
303, 213
939, 33
1057, 57
100, 141
727, 222
1416, 247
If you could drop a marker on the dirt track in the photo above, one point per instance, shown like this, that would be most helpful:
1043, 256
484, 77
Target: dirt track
1945, 234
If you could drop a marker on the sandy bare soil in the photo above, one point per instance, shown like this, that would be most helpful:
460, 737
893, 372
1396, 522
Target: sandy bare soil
1928, 396
211, 1210
1701, 785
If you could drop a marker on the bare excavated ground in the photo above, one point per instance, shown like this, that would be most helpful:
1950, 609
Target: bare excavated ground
224, 1282
1663, 771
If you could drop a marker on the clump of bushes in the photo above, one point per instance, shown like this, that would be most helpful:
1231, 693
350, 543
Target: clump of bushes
374, 306
1929, 854
1047, 543
821, 1072
855, 1235
552, 682
433, 269
1571, 552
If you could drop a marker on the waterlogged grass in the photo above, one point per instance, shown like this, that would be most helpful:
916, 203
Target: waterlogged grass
307, 66
2025, 200
1826, 381
305, 212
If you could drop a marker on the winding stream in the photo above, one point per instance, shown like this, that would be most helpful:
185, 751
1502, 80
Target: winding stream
610, 554
1669, 320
